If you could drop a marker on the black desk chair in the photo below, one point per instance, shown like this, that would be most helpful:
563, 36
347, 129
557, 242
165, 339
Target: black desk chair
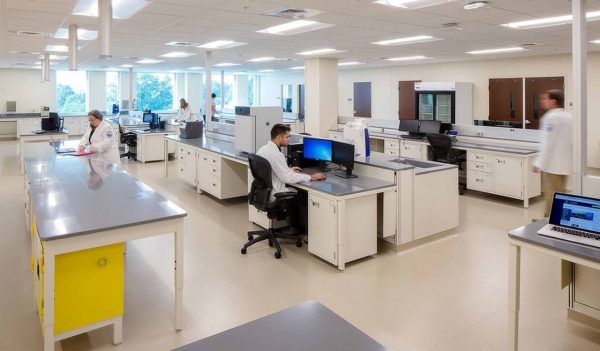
129, 139
277, 210
441, 151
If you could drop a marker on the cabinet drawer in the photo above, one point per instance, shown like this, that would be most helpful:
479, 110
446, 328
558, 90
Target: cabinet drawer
394, 152
214, 185
480, 166
479, 181
479, 157
214, 161
391, 143
213, 170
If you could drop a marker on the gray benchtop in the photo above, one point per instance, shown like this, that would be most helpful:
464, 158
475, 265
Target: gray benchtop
338, 186
223, 147
47, 133
529, 235
309, 326
153, 131
396, 163
73, 196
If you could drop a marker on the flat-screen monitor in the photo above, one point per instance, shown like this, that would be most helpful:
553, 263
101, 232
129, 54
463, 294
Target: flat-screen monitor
318, 149
430, 127
343, 154
409, 125
147, 117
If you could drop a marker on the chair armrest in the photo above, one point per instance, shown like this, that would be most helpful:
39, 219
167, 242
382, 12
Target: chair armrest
285, 195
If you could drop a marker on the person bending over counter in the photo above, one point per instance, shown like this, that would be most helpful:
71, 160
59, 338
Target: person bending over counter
99, 137
185, 111
282, 174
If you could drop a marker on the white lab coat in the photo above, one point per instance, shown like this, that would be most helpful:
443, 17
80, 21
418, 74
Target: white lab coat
281, 172
557, 145
185, 114
104, 141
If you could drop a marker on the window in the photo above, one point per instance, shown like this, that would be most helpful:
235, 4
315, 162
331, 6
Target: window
112, 90
71, 92
155, 91
252, 90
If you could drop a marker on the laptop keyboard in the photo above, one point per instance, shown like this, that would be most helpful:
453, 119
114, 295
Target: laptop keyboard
575, 232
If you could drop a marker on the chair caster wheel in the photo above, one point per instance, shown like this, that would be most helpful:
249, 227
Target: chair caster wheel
270, 243
243, 251
298, 243
277, 255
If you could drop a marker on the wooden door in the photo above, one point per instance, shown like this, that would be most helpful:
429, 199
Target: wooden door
362, 99
533, 88
301, 99
506, 99
406, 99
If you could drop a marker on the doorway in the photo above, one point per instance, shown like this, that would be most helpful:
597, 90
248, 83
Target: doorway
533, 88
362, 99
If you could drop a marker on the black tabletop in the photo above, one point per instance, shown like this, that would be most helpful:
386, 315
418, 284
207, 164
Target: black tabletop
309, 326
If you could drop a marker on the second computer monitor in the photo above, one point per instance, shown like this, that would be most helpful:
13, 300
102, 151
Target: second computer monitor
147, 117
318, 149
409, 125
343, 154
430, 127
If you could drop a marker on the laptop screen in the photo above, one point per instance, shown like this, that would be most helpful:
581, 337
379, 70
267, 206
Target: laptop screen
576, 212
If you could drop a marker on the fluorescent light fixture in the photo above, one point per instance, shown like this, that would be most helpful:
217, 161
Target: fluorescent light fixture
496, 51
297, 67
82, 34
57, 48
226, 64
295, 27
266, 70
319, 52
350, 63
550, 21
126, 66
411, 4
148, 61
262, 59
407, 40
23, 52
597, 41
195, 68
407, 58
474, 5
220, 44
178, 54
122, 9
57, 57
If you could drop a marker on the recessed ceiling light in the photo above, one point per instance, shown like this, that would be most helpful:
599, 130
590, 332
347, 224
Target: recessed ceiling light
177, 54
295, 27
57, 48
121, 9
319, 52
54, 57
181, 43
550, 21
407, 40
266, 70
148, 61
82, 34
407, 58
226, 64
221, 44
297, 67
496, 50
24, 52
262, 59
350, 63
597, 41
411, 4
195, 68
126, 66
474, 5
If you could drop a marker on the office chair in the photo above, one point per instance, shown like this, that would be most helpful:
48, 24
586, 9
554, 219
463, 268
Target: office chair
129, 139
442, 151
260, 192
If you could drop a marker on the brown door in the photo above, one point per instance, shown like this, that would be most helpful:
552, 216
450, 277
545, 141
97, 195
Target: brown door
301, 101
362, 99
533, 88
406, 99
506, 99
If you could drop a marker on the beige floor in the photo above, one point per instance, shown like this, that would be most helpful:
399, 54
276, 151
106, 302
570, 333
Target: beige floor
447, 295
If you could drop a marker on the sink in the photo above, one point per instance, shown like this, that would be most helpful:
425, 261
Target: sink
416, 163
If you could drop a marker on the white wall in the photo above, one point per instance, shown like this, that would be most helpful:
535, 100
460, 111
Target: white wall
270, 86
193, 91
25, 87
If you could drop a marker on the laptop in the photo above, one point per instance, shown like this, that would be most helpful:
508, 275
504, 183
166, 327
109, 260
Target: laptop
59, 148
574, 218
192, 130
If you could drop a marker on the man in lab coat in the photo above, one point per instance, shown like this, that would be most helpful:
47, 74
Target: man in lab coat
282, 173
99, 138
556, 157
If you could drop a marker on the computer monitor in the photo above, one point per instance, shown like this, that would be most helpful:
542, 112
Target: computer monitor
147, 117
430, 127
409, 125
343, 154
318, 149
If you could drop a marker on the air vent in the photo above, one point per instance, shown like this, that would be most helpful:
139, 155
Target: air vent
528, 45
27, 33
451, 26
181, 43
292, 13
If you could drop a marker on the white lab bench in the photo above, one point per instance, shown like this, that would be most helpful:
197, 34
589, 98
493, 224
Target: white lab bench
150, 144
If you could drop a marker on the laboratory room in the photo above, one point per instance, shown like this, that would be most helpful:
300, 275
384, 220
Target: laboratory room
300, 175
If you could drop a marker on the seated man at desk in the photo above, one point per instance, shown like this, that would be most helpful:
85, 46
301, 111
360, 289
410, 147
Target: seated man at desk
282, 174
99, 137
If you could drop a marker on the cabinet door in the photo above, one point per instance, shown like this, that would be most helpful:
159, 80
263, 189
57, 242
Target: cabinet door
410, 150
322, 228
508, 176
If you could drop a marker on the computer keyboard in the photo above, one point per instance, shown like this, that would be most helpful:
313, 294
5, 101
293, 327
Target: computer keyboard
575, 232
311, 171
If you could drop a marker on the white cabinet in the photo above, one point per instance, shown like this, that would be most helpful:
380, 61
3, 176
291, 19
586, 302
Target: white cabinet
73, 125
508, 176
480, 181
336, 135
150, 147
414, 150
27, 125
322, 228
221, 177
391, 147
186, 164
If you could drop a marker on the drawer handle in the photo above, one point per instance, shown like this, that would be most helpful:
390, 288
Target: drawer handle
102, 261
214, 184
315, 204
204, 159
214, 170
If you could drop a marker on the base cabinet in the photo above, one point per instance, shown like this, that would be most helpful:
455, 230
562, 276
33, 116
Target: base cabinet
322, 228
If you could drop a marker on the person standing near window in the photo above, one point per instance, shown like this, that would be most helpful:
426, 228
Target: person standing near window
185, 111
213, 104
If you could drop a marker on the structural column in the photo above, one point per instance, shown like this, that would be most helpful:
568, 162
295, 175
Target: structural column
321, 89
208, 86
579, 95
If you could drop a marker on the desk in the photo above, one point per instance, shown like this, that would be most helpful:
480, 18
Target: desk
73, 211
46, 136
527, 237
309, 326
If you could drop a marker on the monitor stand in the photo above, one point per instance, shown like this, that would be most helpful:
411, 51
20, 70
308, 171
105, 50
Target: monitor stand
347, 174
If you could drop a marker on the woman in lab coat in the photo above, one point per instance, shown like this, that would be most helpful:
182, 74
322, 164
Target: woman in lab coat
99, 137
185, 111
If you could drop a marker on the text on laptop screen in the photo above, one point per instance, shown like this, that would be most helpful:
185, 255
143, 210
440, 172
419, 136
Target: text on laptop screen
576, 212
